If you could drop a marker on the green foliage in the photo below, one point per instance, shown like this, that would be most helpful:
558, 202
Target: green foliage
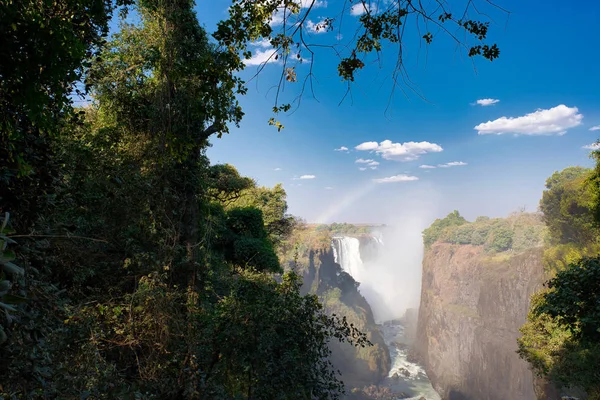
250, 22
146, 279
500, 237
227, 185
344, 228
574, 299
566, 205
49, 41
272, 203
8, 301
518, 232
433, 233
561, 338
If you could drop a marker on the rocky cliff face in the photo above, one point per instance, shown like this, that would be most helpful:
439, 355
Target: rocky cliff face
338, 291
471, 309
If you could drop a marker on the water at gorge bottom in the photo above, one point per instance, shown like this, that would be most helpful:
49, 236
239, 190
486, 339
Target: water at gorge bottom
405, 376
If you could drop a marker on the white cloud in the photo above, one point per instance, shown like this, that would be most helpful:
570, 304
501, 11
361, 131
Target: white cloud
595, 128
277, 169
307, 177
317, 27
486, 102
339, 37
541, 122
363, 168
361, 8
593, 146
396, 178
363, 161
264, 42
373, 164
343, 148
262, 56
373, 167
317, 3
408, 151
424, 166
328, 188
367, 146
452, 164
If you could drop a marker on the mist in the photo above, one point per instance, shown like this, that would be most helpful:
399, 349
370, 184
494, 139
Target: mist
391, 279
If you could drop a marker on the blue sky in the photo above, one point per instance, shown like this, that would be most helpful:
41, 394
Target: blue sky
548, 66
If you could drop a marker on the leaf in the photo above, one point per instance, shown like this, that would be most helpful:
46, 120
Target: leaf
13, 269
7, 256
14, 299
7, 307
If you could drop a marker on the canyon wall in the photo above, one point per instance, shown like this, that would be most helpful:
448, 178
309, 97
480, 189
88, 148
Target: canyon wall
339, 294
472, 306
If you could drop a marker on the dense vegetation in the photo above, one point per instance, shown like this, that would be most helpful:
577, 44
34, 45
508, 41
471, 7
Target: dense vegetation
518, 232
129, 266
561, 336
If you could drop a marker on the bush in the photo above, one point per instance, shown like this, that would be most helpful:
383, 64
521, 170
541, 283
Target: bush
500, 238
436, 230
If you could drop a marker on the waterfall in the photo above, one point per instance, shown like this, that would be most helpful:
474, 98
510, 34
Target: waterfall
346, 252
380, 281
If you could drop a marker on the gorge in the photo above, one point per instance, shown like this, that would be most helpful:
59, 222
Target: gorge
471, 302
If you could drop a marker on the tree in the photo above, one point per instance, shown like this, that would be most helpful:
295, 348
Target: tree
437, 228
44, 48
566, 205
562, 334
167, 294
286, 26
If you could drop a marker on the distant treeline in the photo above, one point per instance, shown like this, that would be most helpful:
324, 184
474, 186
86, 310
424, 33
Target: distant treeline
518, 232
344, 229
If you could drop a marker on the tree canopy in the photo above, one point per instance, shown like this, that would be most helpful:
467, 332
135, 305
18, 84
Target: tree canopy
148, 273
560, 338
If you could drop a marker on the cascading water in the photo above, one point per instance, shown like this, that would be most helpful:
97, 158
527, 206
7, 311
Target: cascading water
404, 376
346, 252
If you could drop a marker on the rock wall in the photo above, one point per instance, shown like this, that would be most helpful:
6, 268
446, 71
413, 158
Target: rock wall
471, 309
359, 366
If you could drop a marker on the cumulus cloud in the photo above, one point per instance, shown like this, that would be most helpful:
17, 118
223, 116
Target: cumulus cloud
541, 122
328, 188
307, 177
408, 151
373, 164
396, 178
595, 128
261, 57
373, 167
277, 169
425, 166
486, 102
367, 146
363, 161
361, 8
593, 146
452, 164
363, 168
343, 148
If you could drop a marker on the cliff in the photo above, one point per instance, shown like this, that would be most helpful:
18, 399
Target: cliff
308, 251
338, 292
472, 306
